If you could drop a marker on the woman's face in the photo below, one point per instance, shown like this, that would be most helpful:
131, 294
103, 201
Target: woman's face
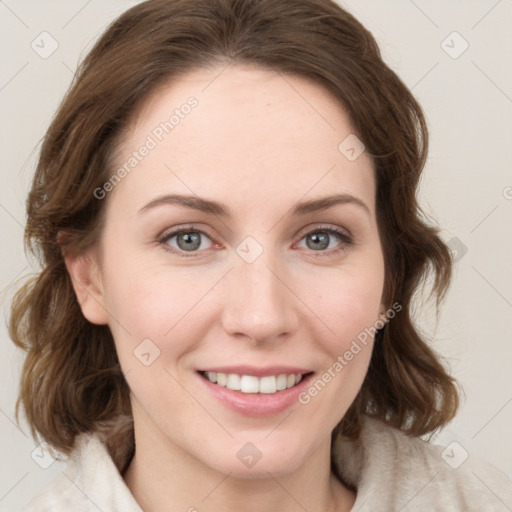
256, 284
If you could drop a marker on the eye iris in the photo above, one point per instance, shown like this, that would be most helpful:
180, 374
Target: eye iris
192, 241
320, 241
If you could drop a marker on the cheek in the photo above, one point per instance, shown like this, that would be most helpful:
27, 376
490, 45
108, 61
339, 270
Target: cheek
148, 298
141, 301
349, 303
350, 306
168, 306
144, 302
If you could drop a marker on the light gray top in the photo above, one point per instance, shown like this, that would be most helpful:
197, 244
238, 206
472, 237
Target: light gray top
391, 471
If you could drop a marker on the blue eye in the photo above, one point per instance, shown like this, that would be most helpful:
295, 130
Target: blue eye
319, 239
191, 241
187, 240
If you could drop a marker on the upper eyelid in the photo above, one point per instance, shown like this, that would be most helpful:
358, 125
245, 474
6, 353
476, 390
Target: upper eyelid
327, 227
172, 232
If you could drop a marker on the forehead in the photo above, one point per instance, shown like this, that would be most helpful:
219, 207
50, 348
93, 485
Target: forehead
251, 135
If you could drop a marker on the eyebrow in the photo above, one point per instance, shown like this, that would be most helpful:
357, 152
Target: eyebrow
216, 208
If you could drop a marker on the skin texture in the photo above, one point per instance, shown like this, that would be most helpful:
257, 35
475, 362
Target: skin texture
254, 144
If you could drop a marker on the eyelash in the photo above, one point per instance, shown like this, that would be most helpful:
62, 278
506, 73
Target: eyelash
346, 240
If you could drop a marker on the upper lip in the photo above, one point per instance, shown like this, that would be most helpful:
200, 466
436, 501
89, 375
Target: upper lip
256, 371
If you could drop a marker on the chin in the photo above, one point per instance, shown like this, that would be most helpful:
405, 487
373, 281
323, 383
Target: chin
260, 470
253, 460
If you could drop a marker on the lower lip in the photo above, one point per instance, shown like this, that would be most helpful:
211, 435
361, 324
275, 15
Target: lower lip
257, 404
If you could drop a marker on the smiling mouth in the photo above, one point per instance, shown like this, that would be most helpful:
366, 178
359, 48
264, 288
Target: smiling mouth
251, 384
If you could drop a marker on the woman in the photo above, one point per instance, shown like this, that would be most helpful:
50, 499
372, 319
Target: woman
225, 211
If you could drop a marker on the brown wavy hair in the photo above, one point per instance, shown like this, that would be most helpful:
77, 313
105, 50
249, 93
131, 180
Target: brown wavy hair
71, 377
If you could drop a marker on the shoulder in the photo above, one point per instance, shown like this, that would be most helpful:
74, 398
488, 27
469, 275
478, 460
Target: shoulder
65, 491
92, 478
59, 495
407, 473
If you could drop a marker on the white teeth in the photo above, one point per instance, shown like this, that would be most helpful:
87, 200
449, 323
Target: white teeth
233, 382
222, 379
268, 384
281, 382
250, 384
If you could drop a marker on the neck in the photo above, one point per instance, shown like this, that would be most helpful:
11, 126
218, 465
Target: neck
163, 477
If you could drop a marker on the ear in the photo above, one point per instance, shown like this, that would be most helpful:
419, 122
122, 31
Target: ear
85, 276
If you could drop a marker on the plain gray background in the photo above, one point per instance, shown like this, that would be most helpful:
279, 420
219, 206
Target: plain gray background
454, 55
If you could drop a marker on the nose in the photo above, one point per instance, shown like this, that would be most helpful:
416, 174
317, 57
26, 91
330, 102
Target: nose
259, 302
